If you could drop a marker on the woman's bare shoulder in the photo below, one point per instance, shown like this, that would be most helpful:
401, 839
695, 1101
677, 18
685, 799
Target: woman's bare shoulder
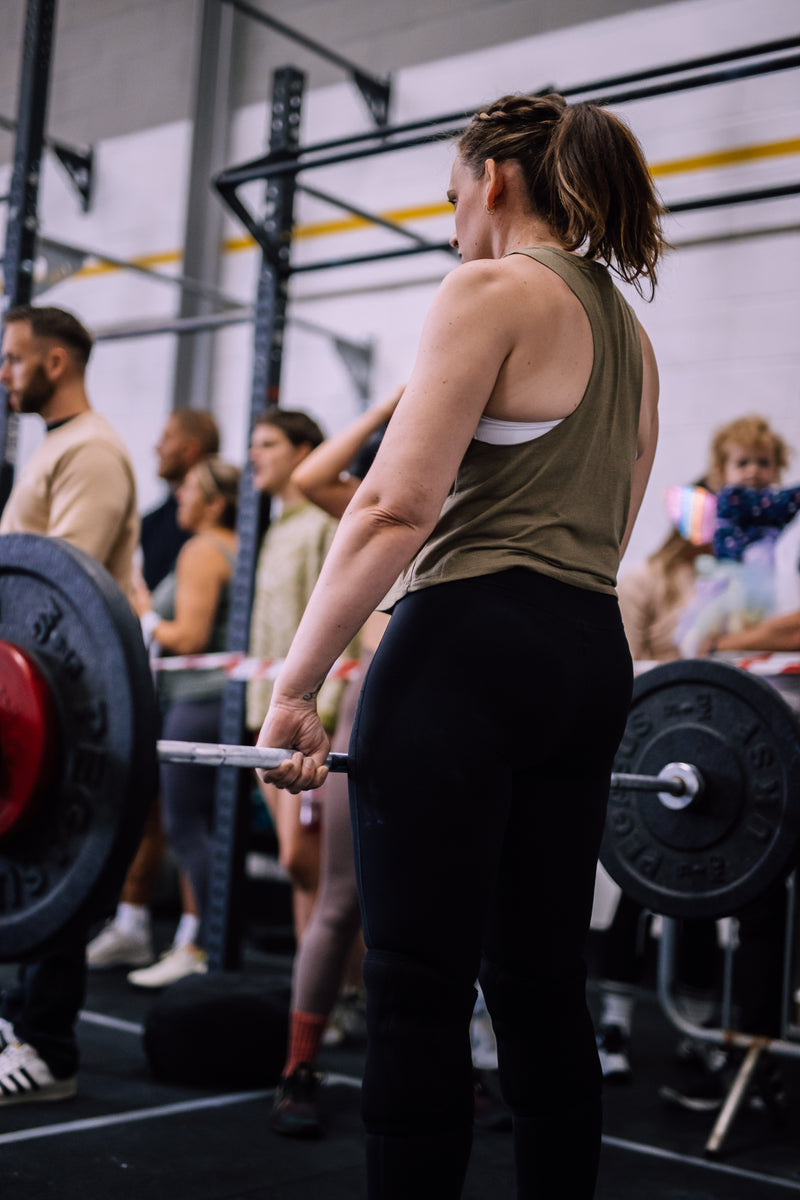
202, 552
489, 287
474, 276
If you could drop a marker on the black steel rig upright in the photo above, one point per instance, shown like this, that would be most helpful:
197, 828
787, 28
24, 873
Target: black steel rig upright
224, 907
23, 197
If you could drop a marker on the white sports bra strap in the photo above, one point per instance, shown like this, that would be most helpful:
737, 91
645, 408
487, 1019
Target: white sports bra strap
512, 433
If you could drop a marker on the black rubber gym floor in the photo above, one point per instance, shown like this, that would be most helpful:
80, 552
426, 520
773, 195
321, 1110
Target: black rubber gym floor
131, 1137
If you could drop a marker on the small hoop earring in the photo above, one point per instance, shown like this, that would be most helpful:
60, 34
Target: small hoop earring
488, 210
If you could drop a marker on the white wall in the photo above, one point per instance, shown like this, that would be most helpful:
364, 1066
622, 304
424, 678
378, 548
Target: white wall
724, 322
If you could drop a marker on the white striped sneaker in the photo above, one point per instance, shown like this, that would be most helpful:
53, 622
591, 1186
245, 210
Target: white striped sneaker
174, 964
6, 1033
25, 1076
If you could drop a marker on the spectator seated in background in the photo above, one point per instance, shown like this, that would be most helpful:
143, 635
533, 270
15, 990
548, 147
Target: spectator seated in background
736, 585
658, 599
746, 517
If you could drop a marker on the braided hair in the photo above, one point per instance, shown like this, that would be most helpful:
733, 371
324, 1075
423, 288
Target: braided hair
584, 173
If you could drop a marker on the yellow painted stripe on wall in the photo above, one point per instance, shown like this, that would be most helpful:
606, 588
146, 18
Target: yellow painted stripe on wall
734, 156
728, 158
141, 260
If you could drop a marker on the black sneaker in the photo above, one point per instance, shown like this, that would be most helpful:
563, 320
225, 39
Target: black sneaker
706, 1092
770, 1091
491, 1111
295, 1108
688, 1053
612, 1048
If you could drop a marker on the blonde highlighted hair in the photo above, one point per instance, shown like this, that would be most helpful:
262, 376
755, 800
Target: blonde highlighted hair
217, 478
751, 433
584, 172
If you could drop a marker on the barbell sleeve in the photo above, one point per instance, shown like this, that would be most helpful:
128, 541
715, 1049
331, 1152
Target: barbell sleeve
648, 783
212, 754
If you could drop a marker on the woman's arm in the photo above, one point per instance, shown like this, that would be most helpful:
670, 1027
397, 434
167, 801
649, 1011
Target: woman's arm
399, 501
776, 633
648, 435
200, 572
320, 475
464, 343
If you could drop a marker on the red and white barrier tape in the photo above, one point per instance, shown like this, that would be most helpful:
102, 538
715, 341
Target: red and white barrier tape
769, 664
766, 664
241, 666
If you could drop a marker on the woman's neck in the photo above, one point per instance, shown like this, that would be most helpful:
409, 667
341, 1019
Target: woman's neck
211, 526
523, 231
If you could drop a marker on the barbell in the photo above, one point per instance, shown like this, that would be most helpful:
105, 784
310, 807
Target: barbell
703, 814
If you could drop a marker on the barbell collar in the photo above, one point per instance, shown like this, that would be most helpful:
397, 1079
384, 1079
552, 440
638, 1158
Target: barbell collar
675, 781
212, 754
684, 775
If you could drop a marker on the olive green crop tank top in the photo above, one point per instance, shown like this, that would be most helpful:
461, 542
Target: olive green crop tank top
557, 504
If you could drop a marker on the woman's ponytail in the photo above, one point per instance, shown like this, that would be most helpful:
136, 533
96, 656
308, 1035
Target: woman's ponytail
603, 197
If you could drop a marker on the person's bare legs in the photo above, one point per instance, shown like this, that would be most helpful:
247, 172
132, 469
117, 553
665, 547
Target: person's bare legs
140, 881
127, 939
298, 852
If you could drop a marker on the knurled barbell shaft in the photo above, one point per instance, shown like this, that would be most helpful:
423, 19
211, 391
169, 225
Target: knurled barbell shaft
213, 754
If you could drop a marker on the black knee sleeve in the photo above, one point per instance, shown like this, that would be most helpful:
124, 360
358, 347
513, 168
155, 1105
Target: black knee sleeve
545, 1041
419, 1067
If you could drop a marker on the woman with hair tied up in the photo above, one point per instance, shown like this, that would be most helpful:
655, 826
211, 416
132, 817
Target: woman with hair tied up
187, 613
503, 495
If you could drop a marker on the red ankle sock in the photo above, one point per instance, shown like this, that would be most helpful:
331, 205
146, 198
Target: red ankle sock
305, 1034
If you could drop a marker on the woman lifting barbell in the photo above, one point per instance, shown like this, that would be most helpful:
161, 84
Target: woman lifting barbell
535, 389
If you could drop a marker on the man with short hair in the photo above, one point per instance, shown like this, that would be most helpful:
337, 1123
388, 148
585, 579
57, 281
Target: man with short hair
77, 485
189, 436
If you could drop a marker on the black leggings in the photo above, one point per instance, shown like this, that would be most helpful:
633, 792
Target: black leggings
187, 797
482, 749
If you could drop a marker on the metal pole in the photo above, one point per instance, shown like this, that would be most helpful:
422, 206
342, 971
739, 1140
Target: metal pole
203, 223
23, 196
376, 92
734, 1099
232, 806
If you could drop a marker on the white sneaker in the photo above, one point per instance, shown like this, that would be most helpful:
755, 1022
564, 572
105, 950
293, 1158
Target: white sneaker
173, 965
117, 947
612, 1050
25, 1076
347, 1023
6, 1033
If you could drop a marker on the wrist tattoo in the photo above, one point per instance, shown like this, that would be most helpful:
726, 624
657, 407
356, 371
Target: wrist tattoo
312, 695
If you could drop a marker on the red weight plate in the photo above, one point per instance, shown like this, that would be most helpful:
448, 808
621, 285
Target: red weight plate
64, 869
27, 736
